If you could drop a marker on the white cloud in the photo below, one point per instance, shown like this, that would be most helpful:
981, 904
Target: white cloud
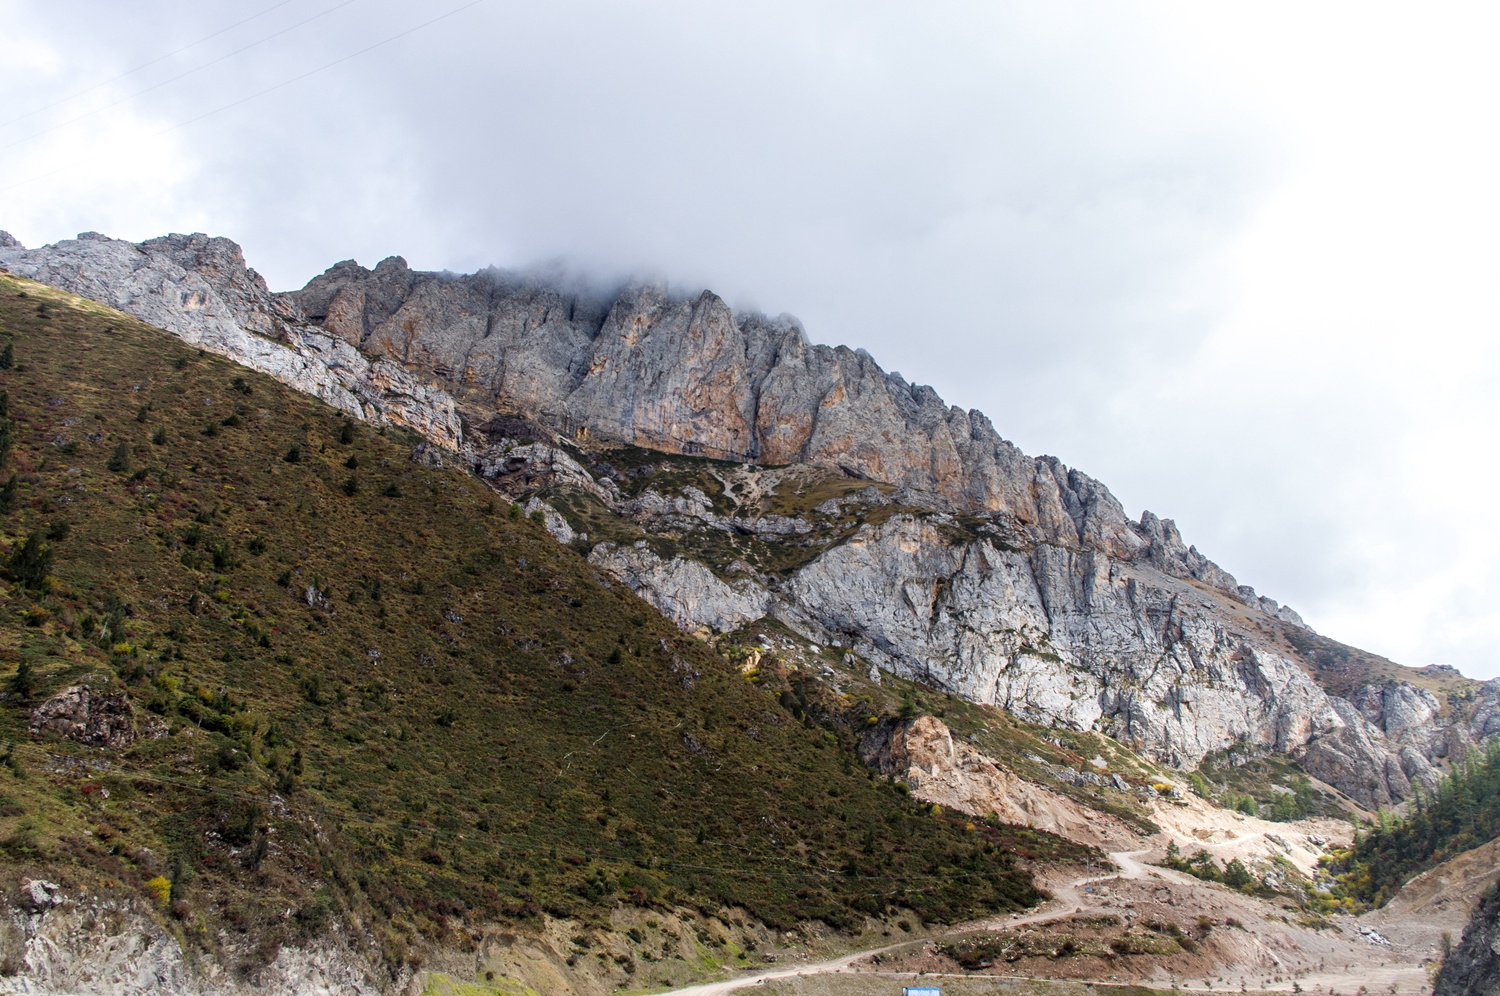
1235, 261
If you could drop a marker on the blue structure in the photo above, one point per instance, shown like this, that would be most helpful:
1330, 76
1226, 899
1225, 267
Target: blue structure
921, 991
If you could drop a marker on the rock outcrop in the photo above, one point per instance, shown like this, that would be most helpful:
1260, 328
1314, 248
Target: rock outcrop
68, 941
1472, 968
1058, 636
89, 717
688, 376
683, 590
199, 289
938, 769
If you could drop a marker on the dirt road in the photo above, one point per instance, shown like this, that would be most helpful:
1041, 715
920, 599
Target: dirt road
840, 964
1261, 968
1065, 902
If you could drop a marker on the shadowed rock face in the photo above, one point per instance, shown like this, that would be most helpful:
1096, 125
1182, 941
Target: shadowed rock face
1473, 967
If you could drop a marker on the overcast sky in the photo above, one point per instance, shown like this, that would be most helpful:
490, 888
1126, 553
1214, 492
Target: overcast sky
1238, 262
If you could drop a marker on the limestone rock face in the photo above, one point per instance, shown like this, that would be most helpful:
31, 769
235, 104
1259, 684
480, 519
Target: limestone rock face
683, 590
1062, 637
199, 289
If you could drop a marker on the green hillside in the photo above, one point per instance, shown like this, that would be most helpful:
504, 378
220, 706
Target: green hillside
389, 699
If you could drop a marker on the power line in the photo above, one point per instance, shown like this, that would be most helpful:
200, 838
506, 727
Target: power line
174, 79
144, 65
259, 93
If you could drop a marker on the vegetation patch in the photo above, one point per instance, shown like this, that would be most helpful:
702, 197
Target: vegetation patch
1464, 814
1259, 783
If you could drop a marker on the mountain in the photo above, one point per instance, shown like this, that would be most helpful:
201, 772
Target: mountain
937, 550
285, 710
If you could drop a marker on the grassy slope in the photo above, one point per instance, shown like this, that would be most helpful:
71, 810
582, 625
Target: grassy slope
467, 725
1342, 669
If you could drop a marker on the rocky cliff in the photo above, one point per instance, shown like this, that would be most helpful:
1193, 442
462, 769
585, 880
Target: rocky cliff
1473, 966
688, 376
199, 289
1005, 578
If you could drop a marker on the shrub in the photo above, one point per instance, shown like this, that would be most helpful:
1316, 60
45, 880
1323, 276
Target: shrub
159, 437
143, 413
8, 493
1236, 875
161, 891
258, 852
346, 435
7, 427
241, 823
23, 682
224, 558
293, 455
391, 491
240, 385
120, 462
30, 561
227, 758
350, 487
352, 463
8, 356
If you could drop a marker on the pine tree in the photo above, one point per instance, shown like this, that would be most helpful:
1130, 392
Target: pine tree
30, 561
23, 683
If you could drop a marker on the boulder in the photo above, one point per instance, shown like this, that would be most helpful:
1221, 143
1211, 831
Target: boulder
93, 718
